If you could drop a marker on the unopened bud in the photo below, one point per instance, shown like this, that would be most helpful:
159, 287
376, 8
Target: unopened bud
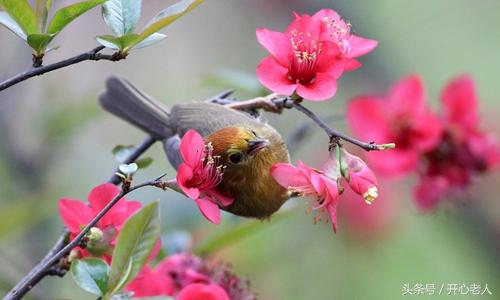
94, 235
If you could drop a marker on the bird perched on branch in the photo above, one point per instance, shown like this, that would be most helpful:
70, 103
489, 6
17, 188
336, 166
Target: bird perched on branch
246, 147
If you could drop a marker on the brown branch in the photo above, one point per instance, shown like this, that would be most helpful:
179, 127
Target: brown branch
37, 71
334, 134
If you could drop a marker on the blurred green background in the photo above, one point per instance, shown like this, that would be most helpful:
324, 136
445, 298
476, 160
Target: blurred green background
56, 142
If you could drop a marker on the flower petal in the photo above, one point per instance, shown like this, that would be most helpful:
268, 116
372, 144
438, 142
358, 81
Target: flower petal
223, 199
197, 291
407, 96
288, 176
192, 148
460, 102
209, 209
394, 162
275, 77
101, 195
368, 120
360, 46
184, 173
74, 214
277, 43
322, 88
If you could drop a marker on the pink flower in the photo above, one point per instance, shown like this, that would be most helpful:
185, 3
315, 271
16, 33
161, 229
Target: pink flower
338, 31
463, 152
151, 282
76, 215
403, 118
360, 178
299, 61
310, 182
199, 176
197, 291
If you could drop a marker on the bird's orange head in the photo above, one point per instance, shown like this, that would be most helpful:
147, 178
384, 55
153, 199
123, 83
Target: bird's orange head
248, 154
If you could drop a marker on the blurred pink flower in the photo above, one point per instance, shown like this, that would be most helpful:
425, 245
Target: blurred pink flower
403, 118
76, 215
199, 175
310, 182
198, 291
463, 152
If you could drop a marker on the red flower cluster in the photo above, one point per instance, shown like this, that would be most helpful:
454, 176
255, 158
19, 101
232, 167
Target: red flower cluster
324, 185
187, 277
310, 55
447, 150
199, 175
76, 215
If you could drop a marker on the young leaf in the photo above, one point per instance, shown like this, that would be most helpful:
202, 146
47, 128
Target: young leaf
67, 14
91, 274
166, 17
129, 169
116, 43
150, 40
122, 15
10, 24
39, 41
144, 162
120, 152
22, 13
133, 246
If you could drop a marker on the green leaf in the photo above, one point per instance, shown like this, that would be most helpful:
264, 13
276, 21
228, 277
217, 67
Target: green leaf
42, 8
91, 274
40, 41
22, 13
144, 162
166, 17
133, 246
67, 14
10, 24
122, 15
116, 43
120, 152
150, 40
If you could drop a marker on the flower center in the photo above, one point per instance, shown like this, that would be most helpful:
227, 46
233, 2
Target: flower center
209, 173
305, 52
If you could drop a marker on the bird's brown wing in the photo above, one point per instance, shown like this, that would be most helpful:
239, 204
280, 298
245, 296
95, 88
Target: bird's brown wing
206, 118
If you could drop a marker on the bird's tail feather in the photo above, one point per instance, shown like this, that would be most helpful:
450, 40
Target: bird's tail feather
125, 101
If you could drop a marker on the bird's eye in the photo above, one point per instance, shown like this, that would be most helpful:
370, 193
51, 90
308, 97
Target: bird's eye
235, 157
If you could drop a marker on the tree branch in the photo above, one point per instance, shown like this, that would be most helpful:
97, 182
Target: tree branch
36, 274
37, 71
334, 134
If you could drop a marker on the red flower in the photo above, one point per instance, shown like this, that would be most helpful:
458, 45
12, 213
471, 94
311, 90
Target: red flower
463, 151
403, 118
310, 55
199, 176
310, 182
197, 291
360, 178
338, 31
151, 282
76, 215
300, 61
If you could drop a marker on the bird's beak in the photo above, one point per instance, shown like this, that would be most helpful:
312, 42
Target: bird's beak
256, 145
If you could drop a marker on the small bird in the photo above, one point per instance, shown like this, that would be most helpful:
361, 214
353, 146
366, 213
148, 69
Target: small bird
246, 146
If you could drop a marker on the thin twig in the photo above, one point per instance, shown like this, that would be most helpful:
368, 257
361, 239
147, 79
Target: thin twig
90, 55
334, 134
33, 277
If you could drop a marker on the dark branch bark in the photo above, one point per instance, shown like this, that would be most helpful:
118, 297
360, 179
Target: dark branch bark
90, 55
334, 134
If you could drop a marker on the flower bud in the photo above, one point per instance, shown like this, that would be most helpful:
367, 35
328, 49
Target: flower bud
361, 179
